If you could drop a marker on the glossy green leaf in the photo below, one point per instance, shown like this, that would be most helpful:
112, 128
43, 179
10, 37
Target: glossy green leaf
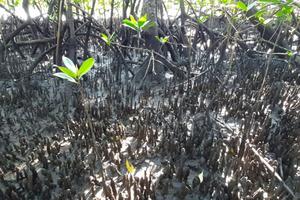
140, 25
129, 24
67, 71
165, 39
240, 5
289, 53
105, 38
85, 67
162, 40
142, 20
147, 25
113, 36
69, 64
284, 11
132, 19
224, 1
202, 19
65, 76
260, 15
261, 20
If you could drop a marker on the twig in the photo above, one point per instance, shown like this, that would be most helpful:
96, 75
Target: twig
272, 170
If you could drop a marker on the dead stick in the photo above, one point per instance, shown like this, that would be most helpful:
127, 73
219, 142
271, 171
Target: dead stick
272, 170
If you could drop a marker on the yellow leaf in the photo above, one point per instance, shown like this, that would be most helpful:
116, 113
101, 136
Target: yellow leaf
132, 19
130, 168
231, 151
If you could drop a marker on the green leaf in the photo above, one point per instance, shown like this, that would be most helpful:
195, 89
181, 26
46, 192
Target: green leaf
261, 20
224, 1
85, 67
241, 6
16, 3
165, 39
69, 64
65, 76
105, 38
142, 20
147, 25
162, 40
289, 53
284, 13
202, 19
113, 36
129, 24
67, 71
133, 20
259, 15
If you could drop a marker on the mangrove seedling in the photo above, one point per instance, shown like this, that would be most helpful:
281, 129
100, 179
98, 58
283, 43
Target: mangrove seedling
142, 24
108, 39
162, 40
71, 72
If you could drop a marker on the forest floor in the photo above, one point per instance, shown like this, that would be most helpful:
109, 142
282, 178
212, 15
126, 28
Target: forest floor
185, 139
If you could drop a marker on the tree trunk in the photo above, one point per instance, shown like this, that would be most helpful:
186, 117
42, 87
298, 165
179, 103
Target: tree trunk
72, 39
58, 35
111, 16
150, 8
184, 38
125, 7
151, 69
89, 32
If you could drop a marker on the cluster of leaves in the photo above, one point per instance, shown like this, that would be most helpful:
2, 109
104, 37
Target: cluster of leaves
267, 10
71, 72
139, 25
84, 3
276, 11
108, 39
162, 40
11, 4
280, 10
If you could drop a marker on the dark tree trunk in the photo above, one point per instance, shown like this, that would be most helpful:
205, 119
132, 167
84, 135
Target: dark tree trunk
88, 32
150, 7
58, 35
111, 16
125, 7
72, 39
